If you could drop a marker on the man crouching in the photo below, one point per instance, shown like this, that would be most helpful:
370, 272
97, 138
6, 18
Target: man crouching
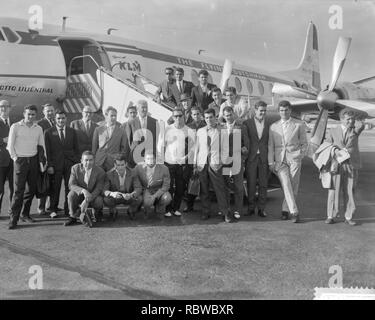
85, 184
122, 186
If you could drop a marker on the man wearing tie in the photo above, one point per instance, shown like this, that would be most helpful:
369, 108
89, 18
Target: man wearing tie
155, 181
287, 145
86, 184
181, 86
256, 137
344, 137
62, 154
6, 163
84, 128
109, 140
47, 122
209, 148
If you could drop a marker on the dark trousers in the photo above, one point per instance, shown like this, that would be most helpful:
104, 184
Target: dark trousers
235, 182
188, 173
6, 173
74, 200
257, 171
217, 180
25, 176
176, 189
57, 179
133, 204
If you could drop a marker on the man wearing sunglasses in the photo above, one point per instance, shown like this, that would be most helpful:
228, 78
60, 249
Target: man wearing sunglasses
165, 90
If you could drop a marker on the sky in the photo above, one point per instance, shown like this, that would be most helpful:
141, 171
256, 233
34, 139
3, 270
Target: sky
267, 34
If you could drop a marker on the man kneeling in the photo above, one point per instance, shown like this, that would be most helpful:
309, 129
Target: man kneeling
122, 186
85, 184
155, 181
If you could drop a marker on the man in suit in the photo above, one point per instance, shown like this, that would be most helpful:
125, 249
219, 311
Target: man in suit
218, 100
209, 148
145, 133
86, 184
122, 186
131, 114
165, 91
256, 140
62, 154
344, 137
180, 86
155, 181
6, 163
185, 105
108, 140
47, 122
287, 145
84, 128
201, 94
233, 131
240, 107
196, 123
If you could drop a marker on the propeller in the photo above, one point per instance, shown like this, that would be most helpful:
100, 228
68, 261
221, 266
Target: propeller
227, 71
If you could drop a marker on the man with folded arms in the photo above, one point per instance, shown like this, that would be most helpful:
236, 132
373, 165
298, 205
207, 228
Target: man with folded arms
86, 186
122, 186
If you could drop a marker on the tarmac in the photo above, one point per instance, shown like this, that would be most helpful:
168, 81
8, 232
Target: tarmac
187, 258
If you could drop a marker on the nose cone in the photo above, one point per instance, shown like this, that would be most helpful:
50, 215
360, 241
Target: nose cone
327, 99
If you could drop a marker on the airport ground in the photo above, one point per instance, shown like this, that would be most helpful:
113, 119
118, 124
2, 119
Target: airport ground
186, 258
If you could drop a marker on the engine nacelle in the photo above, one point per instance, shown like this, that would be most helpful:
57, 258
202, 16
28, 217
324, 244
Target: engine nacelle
350, 91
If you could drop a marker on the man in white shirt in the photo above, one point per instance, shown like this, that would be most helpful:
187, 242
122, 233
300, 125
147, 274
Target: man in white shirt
24, 138
240, 107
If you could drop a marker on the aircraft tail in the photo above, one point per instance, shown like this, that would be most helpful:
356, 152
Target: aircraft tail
307, 74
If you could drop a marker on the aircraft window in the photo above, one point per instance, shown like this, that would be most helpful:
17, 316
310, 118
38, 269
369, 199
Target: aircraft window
11, 35
260, 88
249, 86
1, 36
238, 84
194, 77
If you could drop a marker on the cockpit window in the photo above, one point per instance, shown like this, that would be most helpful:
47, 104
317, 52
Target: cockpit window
11, 35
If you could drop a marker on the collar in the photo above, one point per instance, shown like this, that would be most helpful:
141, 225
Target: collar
22, 123
120, 174
260, 121
286, 121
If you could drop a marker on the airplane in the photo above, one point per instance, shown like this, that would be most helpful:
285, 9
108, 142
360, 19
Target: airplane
60, 67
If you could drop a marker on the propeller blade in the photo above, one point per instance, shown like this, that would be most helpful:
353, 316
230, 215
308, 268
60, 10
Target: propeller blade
339, 60
227, 71
289, 91
318, 133
359, 106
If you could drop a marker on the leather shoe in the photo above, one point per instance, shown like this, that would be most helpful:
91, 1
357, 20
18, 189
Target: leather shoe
205, 216
27, 219
295, 218
70, 222
250, 212
284, 215
261, 213
350, 222
12, 225
329, 221
228, 218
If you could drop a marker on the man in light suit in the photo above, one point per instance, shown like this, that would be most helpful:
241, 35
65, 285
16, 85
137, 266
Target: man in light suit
6, 163
84, 128
256, 137
201, 94
109, 140
86, 184
122, 186
345, 137
165, 92
208, 161
155, 181
287, 145
144, 132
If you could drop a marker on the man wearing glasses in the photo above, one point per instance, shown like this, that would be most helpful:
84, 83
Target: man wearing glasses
85, 128
165, 90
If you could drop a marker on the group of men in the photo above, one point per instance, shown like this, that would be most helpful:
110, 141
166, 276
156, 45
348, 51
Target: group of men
142, 163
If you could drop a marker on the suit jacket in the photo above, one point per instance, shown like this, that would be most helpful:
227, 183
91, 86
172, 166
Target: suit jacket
112, 182
195, 126
84, 138
165, 87
187, 87
291, 148
96, 181
252, 141
126, 127
160, 181
59, 154
235, 148
4, 153
104, 146
135, 128
200, 99
45, 124
335, 136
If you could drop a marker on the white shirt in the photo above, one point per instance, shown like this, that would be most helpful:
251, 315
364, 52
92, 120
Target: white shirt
285, 125
179, 85
87, 125
110, 130
87, 176
175, 144
5, 120
59, 131
260, 127
121, 178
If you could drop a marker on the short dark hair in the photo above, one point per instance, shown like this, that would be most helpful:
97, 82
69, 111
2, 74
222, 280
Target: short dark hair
108, 109
210, 111
195, 108
228, 109
216, 89
179, 69
60, 112
47, 105
178, 109
131, 106
345, 112
30, 107
284, 104
231, 90
120, 157
204, 72
169, 69
87, 153
260, 103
